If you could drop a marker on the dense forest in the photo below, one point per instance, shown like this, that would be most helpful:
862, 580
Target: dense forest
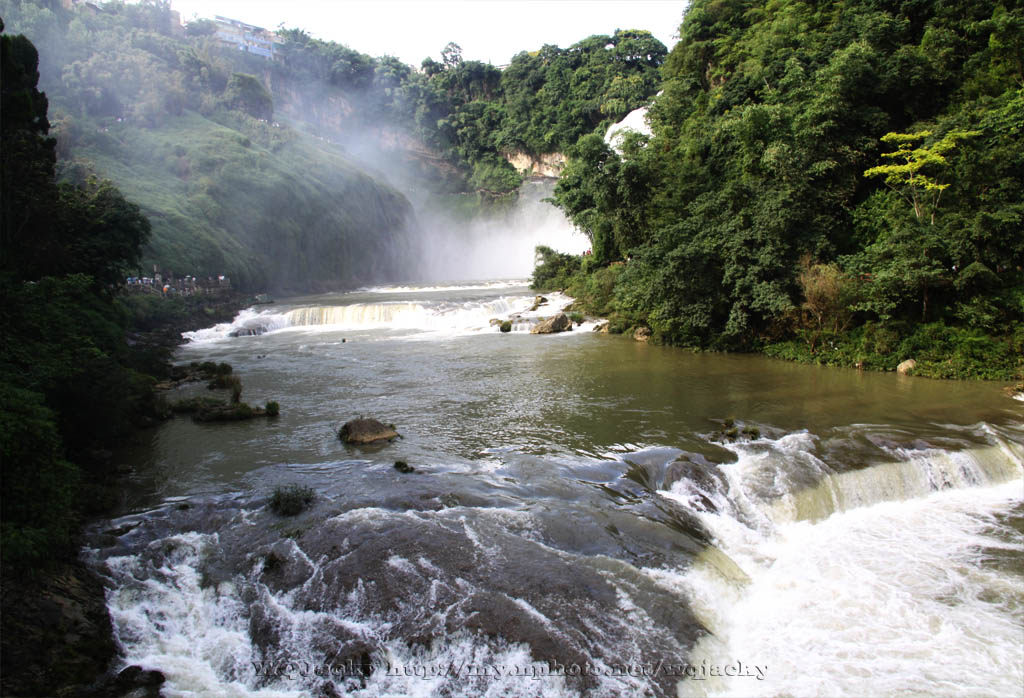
839, 182
285, 173
472, 113
69, 384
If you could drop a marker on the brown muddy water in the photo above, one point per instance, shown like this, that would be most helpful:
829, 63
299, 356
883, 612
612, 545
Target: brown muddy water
578, 523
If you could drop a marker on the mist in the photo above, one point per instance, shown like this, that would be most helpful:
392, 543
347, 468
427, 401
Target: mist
497, 247
497, 242
286, 177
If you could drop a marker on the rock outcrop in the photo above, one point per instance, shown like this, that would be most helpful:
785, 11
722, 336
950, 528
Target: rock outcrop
547, 165
642, 334
906, 367
558, 323
366, 431
56, 633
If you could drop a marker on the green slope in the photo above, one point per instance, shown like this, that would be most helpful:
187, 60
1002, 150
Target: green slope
269, 207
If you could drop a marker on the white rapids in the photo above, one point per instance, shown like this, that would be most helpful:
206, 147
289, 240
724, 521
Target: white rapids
879, 581
418, 311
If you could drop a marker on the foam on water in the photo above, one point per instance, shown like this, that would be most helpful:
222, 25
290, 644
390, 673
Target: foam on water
168, 616
871, 582
163, 618
250, 318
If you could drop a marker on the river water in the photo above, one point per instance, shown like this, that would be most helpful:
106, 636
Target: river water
578, 522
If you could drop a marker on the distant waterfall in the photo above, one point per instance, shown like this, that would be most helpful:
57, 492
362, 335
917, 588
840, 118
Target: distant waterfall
436, 316
497, 244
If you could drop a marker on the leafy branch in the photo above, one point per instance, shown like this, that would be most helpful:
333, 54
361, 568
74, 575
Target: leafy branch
905, 175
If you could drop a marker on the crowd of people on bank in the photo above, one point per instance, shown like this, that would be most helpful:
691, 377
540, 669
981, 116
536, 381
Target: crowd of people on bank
168, 284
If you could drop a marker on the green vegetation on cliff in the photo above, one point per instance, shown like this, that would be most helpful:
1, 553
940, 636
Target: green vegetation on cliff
471, 113
68, 382
839, 182
272, 171
185, 128
268, 209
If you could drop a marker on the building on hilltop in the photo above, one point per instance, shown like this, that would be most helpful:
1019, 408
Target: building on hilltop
246, 37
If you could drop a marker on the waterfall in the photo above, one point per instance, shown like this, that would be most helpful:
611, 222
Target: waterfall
871, 580
498, 242
358, 315
440, 317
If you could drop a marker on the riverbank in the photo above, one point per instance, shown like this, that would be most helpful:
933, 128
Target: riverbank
933, 350
160, 321
56, 637
938, 349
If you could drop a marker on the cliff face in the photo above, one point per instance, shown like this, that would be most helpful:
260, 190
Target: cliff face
56, 634
328, 109
547, 165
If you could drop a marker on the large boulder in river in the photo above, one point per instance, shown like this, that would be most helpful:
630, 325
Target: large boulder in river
538, 302
366, 431
558, 323
906, 366
642, 334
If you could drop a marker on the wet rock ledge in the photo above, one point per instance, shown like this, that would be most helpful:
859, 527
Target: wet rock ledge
56, 637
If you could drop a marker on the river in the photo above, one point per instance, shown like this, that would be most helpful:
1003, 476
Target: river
578, 522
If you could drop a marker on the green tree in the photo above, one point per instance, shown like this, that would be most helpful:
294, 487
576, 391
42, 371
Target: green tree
66, 387
606, 195
764, 151
28, 155
451, 55
909, 177
828, 295
37, 484
247, 93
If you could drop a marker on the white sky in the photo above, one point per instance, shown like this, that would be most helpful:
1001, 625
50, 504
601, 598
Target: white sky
487, 30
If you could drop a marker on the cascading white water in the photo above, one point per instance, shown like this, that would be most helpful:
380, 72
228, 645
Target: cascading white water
873, 581
359, 315
196, 635
429, 316
634, 122
567, 505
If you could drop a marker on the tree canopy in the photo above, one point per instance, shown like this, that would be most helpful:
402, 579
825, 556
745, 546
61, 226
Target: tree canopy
66, 386
882, 141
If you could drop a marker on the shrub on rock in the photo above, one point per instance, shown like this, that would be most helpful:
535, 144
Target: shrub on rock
291, 500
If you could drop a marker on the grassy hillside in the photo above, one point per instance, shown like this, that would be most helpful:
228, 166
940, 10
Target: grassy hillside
268, 206
187, 132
